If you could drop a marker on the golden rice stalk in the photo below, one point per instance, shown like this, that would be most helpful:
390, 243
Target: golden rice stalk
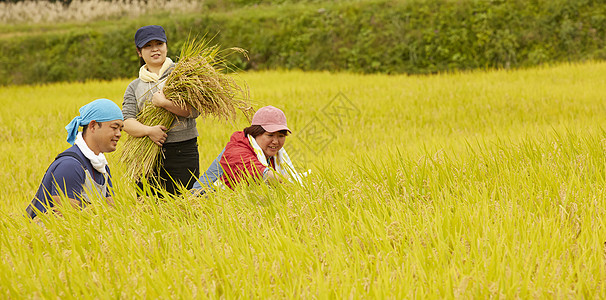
199, 80
140, 155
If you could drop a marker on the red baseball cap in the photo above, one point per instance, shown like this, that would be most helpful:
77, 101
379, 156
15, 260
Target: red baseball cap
272, 119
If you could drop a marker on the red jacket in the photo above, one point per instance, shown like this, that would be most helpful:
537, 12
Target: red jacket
239, 160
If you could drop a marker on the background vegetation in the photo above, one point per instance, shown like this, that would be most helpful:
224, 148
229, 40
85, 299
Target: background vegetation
407, 36
466, 184
463, 185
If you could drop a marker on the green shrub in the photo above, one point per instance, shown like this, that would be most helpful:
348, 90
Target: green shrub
423, 36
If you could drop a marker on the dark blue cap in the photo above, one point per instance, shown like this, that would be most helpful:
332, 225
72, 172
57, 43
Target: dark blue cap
149, 33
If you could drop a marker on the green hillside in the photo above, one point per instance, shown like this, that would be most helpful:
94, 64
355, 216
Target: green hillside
370, 36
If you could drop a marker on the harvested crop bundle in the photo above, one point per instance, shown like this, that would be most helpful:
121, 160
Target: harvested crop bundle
199, 80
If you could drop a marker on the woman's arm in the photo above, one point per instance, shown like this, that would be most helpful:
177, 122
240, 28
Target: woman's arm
155, 133
132, 126
271, 177
160, 100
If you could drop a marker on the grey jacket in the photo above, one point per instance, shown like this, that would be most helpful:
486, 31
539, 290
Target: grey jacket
139, 92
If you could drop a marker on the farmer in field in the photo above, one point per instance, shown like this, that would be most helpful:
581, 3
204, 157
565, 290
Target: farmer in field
80, 173
254, 154
179, 145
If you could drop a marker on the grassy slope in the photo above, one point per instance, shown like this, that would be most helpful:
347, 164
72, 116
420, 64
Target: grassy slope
471, 184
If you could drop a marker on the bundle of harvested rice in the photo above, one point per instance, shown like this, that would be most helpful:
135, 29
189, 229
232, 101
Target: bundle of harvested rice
199, 80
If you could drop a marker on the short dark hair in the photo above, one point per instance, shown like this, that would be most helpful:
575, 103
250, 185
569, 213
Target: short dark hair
141, 60
254, 130
85, 127
257, 130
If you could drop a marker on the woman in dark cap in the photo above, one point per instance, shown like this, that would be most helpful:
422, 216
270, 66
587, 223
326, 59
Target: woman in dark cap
179, 145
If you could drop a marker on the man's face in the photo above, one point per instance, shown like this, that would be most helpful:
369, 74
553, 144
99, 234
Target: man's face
106, 135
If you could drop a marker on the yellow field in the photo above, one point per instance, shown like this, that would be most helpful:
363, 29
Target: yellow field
455, 185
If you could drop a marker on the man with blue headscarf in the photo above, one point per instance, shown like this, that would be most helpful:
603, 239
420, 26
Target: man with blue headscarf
80, 173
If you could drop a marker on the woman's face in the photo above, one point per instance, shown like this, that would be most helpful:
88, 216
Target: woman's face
271, 142
154, 53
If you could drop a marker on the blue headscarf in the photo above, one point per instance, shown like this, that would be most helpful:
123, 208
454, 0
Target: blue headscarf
100, 110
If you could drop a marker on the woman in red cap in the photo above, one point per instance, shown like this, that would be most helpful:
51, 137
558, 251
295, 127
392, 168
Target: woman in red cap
179, 145
254, 154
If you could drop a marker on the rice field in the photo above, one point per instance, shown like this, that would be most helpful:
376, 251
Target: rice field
463, 185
